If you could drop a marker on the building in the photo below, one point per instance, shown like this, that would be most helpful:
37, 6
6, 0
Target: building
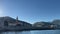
8, 22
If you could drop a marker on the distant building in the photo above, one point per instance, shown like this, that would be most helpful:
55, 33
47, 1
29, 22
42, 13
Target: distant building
8, 21
15, 23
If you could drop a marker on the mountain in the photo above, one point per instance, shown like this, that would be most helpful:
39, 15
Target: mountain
41, 24
56, 21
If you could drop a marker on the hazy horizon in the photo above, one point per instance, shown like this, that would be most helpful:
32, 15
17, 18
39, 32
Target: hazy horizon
31, 10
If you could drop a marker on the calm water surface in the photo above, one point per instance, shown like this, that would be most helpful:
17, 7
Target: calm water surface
34, 32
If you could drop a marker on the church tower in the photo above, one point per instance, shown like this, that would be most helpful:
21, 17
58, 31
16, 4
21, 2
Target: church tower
17, 20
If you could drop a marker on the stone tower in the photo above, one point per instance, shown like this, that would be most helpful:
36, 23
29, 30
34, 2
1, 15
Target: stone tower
17, 20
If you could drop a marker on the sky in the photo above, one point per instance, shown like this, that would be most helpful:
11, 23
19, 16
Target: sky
31, 11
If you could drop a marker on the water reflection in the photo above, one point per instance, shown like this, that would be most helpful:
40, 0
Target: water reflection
0, 32
34, 32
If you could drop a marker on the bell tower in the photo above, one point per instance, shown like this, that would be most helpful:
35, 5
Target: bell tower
17, 20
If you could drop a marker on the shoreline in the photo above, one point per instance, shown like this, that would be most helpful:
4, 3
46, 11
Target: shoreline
27, 30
